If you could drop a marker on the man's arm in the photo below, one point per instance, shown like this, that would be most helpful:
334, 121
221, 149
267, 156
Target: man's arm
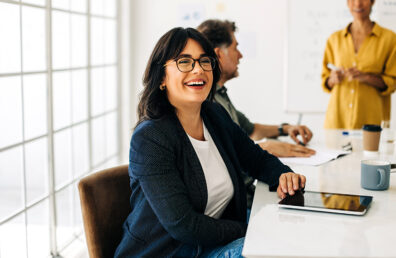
280, 149
261, 131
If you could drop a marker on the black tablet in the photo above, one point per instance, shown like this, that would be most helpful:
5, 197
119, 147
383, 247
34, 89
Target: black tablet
327, 202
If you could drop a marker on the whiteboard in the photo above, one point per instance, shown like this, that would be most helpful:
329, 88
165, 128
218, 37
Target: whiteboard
309, 24
385, 13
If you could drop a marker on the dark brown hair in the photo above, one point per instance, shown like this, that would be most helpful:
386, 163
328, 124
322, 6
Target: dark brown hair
154, 102
218, 32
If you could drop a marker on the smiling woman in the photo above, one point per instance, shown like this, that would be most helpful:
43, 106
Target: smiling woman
189, 84
154, 102
186, 159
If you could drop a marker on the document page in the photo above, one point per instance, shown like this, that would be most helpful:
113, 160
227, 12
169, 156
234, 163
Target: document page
322, 156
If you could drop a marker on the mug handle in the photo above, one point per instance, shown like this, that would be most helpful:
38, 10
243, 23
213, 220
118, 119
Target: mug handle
382, 178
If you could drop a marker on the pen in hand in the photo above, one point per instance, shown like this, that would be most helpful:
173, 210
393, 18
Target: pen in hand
301, 143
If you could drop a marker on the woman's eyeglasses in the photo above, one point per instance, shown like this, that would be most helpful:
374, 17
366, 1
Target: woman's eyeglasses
187, 64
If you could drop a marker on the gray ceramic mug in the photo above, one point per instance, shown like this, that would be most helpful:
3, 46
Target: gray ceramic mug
375, 174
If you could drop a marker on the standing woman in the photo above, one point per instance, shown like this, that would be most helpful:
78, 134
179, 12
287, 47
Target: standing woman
188, 197
359, 70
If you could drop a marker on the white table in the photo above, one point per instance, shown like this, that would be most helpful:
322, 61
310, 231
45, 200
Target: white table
276, 232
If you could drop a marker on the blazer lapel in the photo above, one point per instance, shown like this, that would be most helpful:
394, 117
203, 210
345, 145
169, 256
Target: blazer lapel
220, 137
195, 169
222, 151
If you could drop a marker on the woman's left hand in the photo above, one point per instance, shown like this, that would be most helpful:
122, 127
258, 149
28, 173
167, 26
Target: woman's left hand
368, 78
289, 183
355, 74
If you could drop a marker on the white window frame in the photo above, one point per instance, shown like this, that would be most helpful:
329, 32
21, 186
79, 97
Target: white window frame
54, 249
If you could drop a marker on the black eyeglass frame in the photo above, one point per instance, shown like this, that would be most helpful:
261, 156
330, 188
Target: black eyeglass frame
212, 61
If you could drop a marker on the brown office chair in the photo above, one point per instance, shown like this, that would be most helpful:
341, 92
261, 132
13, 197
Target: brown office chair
104, 205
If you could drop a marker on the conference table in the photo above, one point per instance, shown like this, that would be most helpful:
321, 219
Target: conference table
279, 232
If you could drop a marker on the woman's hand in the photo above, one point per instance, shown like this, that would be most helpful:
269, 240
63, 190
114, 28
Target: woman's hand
374, 80
336, 77
289, 183
354, 74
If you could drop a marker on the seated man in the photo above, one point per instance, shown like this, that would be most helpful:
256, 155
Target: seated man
221, 35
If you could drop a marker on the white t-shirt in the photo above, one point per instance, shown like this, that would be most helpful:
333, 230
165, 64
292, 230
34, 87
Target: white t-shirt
218, 180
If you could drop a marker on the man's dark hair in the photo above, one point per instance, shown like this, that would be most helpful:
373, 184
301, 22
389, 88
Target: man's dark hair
154, 102
218, 32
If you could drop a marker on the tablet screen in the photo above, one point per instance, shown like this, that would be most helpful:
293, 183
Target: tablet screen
330, 202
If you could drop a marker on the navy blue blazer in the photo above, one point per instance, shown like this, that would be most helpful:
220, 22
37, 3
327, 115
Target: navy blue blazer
169, 193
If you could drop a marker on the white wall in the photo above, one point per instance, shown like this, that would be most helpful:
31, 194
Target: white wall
258, 91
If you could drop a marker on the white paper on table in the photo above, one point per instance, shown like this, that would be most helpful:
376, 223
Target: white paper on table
321, 156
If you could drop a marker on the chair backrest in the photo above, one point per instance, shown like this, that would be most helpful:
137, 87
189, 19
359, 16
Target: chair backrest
104, 205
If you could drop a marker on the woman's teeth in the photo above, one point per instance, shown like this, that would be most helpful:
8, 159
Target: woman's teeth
195, 83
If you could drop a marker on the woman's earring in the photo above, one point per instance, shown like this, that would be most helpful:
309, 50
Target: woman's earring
162, 87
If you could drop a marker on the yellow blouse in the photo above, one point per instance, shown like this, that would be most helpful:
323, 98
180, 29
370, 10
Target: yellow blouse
352, 103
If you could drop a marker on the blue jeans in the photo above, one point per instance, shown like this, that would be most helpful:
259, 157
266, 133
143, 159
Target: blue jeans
230, 250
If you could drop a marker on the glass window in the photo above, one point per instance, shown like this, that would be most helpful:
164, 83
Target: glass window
80, 150
64, 216
36, 158
59, 116
35, 105
78, 40
61, 99
110, 41
36, 2
77, 216
98, 140
10, 43
79, 95
110, 8
33, 39
110, 88
111, 162
11, 187
97, 41
60, 40
111, 134
62, 158
79, 5
97, 7
97, 91
61, 4
10, 110
37, 230
13, 238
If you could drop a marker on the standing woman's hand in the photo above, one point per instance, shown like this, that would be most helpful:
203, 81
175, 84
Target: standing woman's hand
374, 80
354, 74
289, 183
336, 77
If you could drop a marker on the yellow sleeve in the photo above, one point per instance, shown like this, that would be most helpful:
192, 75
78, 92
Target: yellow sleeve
389, 74
328, 58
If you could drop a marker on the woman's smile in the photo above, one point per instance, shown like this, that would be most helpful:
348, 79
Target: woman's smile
196, 84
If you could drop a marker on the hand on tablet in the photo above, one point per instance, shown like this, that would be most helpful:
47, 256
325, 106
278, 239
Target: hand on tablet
289, 183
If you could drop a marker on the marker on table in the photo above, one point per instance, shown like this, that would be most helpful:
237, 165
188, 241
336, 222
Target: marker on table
352, 133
